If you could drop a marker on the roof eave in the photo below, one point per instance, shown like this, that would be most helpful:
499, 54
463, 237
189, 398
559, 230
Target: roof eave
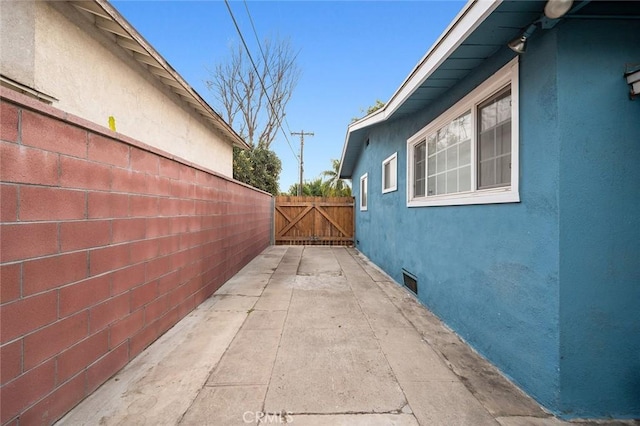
467, 20
129, 39
362, 123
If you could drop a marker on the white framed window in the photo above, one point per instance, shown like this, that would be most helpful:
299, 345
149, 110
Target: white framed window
363, 191
390, 173
469, 154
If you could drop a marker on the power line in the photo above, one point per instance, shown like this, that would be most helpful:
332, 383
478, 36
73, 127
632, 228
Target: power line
255, 68
264, 57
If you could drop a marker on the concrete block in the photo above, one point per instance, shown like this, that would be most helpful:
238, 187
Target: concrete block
445, 403
233, 303
332, 371
245, 285
318, 262
351, 268
379, 310
532, 421
267, 261
281, 281
274, 300
496, 392
325, 309
265, 320
249, 359
329, 283
226, 405
365, 287
355, 420
411, 358
158, 386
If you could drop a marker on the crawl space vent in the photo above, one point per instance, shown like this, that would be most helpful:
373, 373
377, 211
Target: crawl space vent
410, 281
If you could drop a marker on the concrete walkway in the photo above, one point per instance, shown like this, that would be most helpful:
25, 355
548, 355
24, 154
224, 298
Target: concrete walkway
309, 336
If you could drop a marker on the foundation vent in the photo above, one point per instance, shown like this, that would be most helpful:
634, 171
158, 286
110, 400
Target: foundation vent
410, 281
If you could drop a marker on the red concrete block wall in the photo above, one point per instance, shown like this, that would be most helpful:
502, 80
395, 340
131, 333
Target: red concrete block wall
105, 243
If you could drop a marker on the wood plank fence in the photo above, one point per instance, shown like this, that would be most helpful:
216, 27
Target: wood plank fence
314, 221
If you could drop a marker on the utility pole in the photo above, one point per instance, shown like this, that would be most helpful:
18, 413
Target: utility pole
302, 134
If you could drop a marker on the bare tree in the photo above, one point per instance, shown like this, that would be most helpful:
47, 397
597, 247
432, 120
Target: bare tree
253, 112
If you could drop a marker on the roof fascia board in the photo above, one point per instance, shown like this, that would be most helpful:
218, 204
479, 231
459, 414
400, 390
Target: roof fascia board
469, 18
369, 120
137, 38
92, 8
344, 153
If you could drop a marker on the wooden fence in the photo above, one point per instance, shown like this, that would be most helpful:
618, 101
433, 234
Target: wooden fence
314, 221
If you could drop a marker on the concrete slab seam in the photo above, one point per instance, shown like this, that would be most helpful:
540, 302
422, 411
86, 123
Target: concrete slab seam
214, 367
362, 259
384, 355
422, 337
264, 399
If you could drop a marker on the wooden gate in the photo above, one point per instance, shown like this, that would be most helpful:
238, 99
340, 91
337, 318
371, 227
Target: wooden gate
314, 220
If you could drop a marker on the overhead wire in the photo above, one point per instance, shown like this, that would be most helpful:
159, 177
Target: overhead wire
264, 57
255, 68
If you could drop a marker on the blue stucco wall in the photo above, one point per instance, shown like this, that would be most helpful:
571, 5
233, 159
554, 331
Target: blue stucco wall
599, 220
547, 289
489, 271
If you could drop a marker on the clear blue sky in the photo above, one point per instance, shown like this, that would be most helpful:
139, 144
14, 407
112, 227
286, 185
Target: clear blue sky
351, 53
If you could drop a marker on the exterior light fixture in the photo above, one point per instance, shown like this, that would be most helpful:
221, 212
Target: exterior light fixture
555, 9
519, 44
633, 79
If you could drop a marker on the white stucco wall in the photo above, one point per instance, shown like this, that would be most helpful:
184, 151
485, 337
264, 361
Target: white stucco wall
93, 78
16, 28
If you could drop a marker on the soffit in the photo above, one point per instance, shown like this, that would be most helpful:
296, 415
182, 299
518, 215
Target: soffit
106, 18
478, 32
501, 25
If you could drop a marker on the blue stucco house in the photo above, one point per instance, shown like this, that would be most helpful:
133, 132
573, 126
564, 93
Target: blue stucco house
502, 182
